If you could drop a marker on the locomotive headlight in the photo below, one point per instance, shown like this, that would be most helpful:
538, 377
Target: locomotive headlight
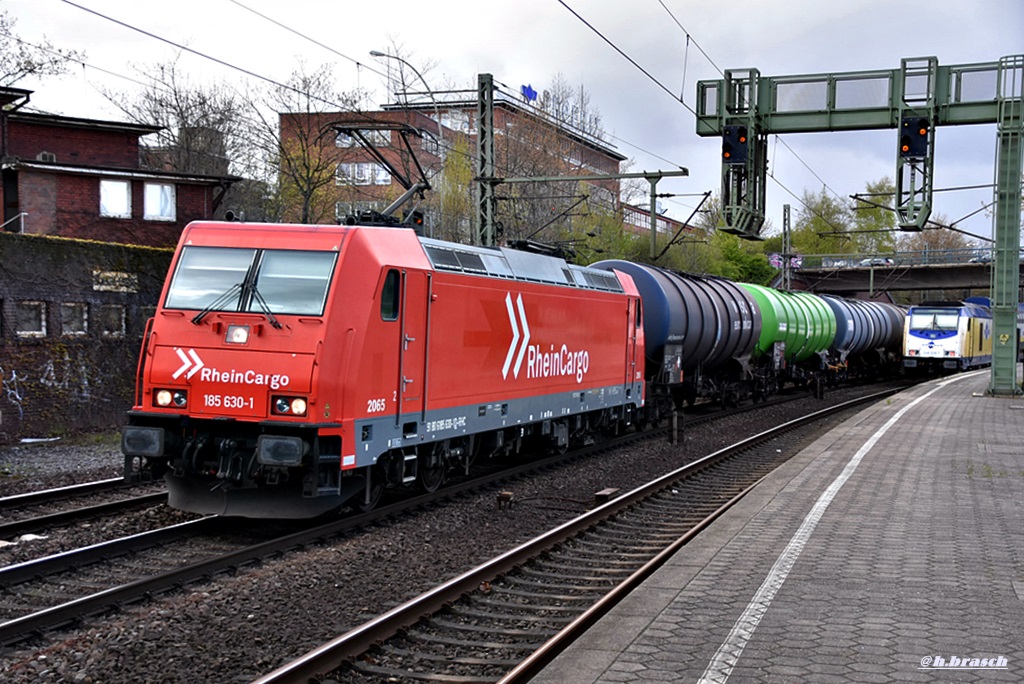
289, 406
166, 398
237, 334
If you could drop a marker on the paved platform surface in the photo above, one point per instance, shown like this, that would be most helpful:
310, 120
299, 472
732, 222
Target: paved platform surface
890, 550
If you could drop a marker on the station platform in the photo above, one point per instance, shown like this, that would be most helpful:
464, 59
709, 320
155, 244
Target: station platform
890, 550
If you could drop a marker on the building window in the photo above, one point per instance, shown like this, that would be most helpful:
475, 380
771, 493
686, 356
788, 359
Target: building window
115, 198
110, 320
30, 319
362, 173
431, 145
376, 138
457, 120
343, 210
160, 202
74, 318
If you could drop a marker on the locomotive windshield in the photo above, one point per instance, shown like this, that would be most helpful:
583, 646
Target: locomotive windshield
271, 281
933, 319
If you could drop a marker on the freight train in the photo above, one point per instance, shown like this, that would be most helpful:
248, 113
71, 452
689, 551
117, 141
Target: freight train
290, 370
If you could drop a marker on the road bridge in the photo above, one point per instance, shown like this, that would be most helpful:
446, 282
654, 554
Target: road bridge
847, 280
845, 274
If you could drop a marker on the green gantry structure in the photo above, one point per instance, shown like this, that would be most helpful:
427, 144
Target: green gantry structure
916, 99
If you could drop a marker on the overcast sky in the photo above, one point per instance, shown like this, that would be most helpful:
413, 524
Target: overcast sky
676, 42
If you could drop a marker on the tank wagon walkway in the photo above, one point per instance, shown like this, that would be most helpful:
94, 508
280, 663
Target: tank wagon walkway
890, 550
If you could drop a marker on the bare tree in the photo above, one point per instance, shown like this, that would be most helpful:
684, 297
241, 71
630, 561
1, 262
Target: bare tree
292, 131
20, 58
201, 126
551, 143
204, 130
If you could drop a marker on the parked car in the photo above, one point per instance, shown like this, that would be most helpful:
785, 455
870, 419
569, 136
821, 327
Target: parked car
983, 258
877, 261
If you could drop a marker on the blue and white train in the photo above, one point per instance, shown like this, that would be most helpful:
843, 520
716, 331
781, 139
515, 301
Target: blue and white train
948, 336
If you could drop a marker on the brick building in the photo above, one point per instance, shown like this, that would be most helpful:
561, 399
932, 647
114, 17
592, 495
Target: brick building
529, 143
637, 220
332, 174
82, 178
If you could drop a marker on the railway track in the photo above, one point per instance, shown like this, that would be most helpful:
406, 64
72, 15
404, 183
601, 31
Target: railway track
68, 588
507, 618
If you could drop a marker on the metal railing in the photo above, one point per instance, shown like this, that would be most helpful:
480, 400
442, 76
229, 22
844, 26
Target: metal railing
20, 218
929, 257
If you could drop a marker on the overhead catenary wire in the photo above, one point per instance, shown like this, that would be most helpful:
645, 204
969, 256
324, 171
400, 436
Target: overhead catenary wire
274, 82
217, 60
665, 88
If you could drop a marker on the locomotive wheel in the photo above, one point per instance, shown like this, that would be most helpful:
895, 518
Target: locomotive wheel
431, 467
376, 475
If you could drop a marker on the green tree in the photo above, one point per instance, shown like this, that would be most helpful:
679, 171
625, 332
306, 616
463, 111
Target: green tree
741, 260
875, 225
822, 226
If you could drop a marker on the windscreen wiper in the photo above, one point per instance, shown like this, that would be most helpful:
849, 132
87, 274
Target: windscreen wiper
265, 308
217, 303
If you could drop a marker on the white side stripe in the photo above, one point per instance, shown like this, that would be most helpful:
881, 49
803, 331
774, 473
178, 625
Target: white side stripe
526, 334
515, 334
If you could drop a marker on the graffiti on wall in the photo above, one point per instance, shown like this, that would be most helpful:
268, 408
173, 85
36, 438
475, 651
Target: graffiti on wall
12, 389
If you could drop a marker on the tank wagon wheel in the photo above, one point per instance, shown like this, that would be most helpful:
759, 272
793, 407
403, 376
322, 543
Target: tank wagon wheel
431, 466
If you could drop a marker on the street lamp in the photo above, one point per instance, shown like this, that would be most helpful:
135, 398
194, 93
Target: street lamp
437, 109
437, 113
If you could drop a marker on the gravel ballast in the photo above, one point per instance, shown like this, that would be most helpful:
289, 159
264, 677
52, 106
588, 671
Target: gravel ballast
235, 628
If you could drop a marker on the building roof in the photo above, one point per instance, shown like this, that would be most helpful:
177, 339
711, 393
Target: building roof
504, 101
9, 96
43, 119
111, 172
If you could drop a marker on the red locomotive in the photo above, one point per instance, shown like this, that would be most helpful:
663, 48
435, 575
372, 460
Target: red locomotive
293, 369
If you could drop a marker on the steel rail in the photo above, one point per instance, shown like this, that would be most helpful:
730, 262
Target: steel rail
18, 629
357, 641
16, 527
11, 575
60, 493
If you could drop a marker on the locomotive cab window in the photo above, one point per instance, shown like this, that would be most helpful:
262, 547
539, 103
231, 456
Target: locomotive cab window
294, 282
273, 281
389, 296
936, 319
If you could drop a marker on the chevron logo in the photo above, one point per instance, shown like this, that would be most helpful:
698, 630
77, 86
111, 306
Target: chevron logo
190, 362
525, 336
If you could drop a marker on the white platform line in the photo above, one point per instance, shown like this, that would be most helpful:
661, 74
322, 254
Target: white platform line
728, 654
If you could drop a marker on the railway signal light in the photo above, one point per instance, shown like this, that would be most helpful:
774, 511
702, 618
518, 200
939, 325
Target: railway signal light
914, 136
734, 144
414, 219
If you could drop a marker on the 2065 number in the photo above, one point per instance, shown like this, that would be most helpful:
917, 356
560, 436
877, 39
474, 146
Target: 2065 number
376, 405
